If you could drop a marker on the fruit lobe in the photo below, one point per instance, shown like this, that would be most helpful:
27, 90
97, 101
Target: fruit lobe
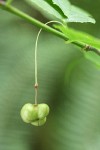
29, 113
43, 110
39, 122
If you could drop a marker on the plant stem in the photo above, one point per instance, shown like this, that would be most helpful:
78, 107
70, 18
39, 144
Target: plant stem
31, 20
9, 2
45, 27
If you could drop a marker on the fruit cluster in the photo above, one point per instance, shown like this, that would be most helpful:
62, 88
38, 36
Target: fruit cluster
35, 114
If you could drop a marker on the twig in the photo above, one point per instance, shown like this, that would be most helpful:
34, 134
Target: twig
45, 27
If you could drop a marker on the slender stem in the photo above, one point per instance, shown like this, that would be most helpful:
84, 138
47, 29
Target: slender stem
36, 64
36, 94
37, 23
36, 80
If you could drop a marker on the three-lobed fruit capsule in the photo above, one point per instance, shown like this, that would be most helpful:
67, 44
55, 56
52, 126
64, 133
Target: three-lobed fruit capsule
34, 114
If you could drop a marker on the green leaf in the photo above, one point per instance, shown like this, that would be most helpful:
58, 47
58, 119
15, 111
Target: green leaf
79, 15
73, 13
57, 8
44, 6
64, 5
63, 10
81, 37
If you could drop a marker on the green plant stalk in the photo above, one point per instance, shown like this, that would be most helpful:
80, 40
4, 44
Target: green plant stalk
45, 27
9, 2
31, 20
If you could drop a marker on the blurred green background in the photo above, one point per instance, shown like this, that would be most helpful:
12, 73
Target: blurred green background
68, 83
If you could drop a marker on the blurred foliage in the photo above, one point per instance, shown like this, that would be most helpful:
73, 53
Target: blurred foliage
67, 82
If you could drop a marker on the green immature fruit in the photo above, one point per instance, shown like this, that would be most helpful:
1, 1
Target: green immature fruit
29, 113
39, 122
43, 110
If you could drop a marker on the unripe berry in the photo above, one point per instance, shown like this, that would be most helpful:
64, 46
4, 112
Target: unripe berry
29, 113
39, 122
43, 110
